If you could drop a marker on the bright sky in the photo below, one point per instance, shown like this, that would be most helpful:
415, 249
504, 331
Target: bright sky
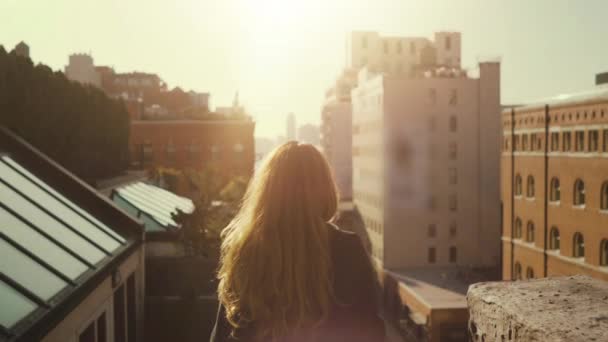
281, 55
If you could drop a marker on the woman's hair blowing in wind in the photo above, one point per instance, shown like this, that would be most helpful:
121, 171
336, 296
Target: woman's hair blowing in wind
275, 258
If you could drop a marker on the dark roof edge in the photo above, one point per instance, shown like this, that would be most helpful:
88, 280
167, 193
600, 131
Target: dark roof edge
71, 186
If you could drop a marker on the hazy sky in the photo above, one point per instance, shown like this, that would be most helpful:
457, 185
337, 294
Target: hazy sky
281, 55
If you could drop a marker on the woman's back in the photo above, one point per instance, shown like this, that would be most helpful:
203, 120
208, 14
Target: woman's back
353, 313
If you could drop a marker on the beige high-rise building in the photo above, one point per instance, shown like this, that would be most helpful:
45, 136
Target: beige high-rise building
82, 69
426, 182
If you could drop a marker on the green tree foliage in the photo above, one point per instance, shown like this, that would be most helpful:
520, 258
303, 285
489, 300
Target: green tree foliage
77, 126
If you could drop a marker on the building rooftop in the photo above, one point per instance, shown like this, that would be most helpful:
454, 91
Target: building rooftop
153, 205
438, 288
594, 95
57, 239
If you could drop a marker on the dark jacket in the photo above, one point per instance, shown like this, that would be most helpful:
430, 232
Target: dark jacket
354, 315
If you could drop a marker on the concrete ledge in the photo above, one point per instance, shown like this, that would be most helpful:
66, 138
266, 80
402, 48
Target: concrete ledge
550, 309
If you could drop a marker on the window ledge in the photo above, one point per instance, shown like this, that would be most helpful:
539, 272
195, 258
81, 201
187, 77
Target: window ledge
518, 196
555, 203
604, 211
579, 207
531, 199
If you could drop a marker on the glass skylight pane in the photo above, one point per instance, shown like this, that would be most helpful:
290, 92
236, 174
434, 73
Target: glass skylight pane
143, 205
69, 203
155, 193
15, 306
150, 200
57, 208
49, 225
28, 273
126, 206
40, 246
166, 196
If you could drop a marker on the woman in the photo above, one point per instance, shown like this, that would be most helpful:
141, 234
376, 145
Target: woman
286, 273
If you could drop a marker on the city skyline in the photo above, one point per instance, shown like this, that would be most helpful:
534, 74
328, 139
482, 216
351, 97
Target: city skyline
238, 45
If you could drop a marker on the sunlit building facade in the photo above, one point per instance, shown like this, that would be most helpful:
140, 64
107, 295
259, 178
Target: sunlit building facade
555, 187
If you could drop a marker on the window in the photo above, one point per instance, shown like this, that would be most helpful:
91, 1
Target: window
524, 142
194, 151
448, 43
453, 97
555, 191
432, 203
364, 42
529, 273
147, 151
453, 254
604, 253
433, 96
533, 142
579, 192
555, 141
517, 271
518, 233
412, 48
432, 231
530, 187
516, 145
453, 202
453, 229
530, 232
567, 142
605, 143
170, 152
604, 196
579, 141
385, 46
452, 176
431, 255
554, 239
453, 150
517, 185
399, 47
119, 315
593, 140
453, 123
578, 248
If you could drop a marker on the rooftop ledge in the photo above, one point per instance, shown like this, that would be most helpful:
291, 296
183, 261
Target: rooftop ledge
551, 309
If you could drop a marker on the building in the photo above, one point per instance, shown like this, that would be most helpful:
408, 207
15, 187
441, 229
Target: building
199, 100
22, 50
82, 69
336, 131
555, 187
403, 55
72, 263
291, 127
227, 144
426, 182
309, 133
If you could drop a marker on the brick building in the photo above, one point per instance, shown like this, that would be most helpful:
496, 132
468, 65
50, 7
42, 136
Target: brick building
555, 187
194, 144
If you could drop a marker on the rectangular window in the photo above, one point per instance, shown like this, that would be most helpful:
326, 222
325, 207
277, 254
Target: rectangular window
364, 42
533, 141
453, 97
554, 141
453, 202
524, 142
567, 141
433, 96
119, 315
131, 309
453, 150
432, 231
605, 144
579, 142
385, 47
448, 43
516, 142
593, 140
453, 123
452, 176
412, 48
453, 230
432, 203
431, 255
453, 254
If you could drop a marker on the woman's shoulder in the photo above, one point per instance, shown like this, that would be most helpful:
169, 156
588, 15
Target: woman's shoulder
345, 241
340, 235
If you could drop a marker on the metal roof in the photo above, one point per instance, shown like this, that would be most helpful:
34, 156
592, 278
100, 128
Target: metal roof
51, 247
155, 206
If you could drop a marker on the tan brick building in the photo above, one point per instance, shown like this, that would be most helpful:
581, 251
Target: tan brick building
554, 187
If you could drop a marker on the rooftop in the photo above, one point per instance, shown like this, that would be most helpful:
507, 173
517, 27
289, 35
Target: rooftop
594, 95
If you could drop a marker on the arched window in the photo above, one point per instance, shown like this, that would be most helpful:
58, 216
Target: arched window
530, 186
555, 192
518, 228
578, 246
517, 185
604, 196
530, 232
604, 252
517, 271
529, 273
554, 238
579, 192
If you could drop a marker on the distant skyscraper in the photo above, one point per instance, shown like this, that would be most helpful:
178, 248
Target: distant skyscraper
291, 127
82, 69
22, 50
310, 134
